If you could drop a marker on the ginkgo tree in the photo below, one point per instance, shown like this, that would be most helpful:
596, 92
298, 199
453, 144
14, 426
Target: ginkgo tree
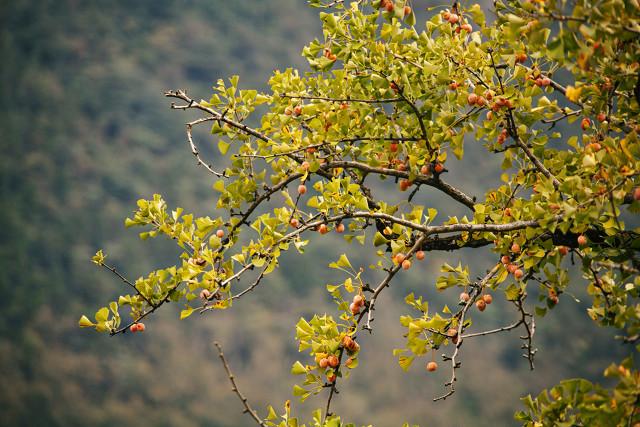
392, 99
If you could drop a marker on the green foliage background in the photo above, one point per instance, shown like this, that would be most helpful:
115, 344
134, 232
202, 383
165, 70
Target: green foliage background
85, 131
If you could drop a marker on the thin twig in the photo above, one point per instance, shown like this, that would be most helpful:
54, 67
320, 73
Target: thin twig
234, 387
454, 363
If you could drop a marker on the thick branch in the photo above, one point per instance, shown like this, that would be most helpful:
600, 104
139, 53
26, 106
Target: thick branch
422, 179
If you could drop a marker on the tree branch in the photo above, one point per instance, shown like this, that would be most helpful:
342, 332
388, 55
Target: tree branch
234, 387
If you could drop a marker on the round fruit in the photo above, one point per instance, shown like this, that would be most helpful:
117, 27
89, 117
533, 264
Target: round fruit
134, 328
393, 147
511, 268
297, 110
407, 10
205, 294
358, 300
636, 194
481, 304
438, 168
302, 189
141, 327
601, 117
518, 274
453, 85
464, 297
340, 228
515, 248
406, 264
324, 362
220, 233
505, 259
347, 341
319, 356
331, 378
488, 299
389, 6
322, 229
348, 362
294, 222
400, 257
521, 57
432, 366
420, 255
481, 102
344, 106
453, 18
404, 184
585, 123
452, 332
305, 165
563, 250
546, 81
425, 170
582, 240
472, 98
466, 27
507, 211
333, 361
355, 309
402, 167
288, 111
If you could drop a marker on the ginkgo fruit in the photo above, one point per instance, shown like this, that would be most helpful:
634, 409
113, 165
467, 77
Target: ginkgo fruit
333, 361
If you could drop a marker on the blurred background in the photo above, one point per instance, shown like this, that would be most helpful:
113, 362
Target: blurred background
85, 131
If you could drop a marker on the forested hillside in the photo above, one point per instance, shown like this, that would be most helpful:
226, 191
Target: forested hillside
85, 131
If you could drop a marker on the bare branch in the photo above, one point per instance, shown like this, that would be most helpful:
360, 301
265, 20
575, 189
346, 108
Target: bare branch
477, 289
234, 387
537, 162
125, 280
194, 149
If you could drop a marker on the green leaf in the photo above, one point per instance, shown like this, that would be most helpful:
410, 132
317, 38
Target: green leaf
298, 391
102, 315
84, 322
98, 258
186, 313
223, 146
298, 368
